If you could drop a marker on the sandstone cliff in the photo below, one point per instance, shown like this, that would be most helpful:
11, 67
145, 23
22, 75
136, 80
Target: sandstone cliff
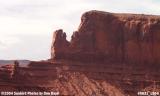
110, 54
130, 38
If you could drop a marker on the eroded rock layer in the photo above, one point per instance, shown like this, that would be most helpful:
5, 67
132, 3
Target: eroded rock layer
79, 78
110, 55
130, 38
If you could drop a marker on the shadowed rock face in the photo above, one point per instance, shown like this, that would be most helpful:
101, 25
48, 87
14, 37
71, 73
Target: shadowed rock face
101, 36
59, 44
6, 71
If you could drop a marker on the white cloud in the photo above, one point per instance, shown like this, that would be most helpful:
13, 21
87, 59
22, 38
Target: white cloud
39, 16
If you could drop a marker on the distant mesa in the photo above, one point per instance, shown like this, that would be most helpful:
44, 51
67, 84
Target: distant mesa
22, 62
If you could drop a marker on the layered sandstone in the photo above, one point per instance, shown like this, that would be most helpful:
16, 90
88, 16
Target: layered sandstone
64, 77
131, 38
122, 49
110, 54
79, 78
6, 71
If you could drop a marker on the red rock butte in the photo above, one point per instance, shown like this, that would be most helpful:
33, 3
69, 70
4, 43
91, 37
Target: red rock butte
109, 55
103, 36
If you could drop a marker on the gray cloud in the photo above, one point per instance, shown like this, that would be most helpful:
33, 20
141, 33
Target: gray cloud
2, 44
32, 47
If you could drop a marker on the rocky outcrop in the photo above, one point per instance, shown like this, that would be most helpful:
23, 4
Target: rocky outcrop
66, 78
59, 45
6, 72
79, 78
131, 38
110, 54
10, 71
118, 48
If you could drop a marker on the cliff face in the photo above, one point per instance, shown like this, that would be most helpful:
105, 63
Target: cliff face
110, 54
103, 36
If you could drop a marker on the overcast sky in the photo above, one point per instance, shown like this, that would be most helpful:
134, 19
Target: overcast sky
26, 26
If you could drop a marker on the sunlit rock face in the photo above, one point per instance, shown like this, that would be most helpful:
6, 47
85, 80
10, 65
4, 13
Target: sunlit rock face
101, 36
109, 55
